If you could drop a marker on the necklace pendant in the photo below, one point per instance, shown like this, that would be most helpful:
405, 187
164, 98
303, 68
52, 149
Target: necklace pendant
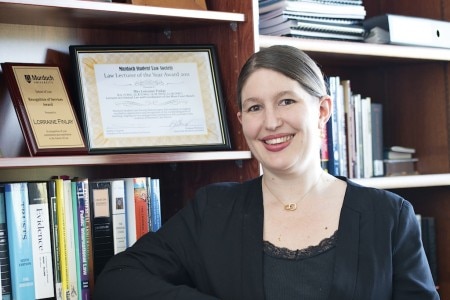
290, 206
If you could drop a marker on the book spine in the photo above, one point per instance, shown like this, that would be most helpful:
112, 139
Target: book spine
70, 240
333, 132
81, 187
141, 206
51, 189
118, 215
130, 211
102, 232
76, 234
155, 204
4, 253
62, 230
41, 240
377, 139
367, 136
20, 244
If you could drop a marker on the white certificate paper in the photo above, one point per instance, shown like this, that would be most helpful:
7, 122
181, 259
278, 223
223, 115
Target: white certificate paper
150, 99
138, 99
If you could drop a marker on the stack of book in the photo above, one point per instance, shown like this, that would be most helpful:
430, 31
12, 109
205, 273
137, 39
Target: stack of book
58, 234
322, 19
400, 160
353, 141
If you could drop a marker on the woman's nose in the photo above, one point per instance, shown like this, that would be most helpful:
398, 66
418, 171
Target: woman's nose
273, 119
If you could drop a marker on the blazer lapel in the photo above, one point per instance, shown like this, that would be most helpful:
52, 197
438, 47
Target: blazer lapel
346, 261
252, 249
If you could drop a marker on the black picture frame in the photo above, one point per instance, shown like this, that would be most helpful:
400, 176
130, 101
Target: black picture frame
143, 98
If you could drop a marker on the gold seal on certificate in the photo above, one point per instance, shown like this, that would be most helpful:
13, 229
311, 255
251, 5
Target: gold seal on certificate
44, 109
148, 99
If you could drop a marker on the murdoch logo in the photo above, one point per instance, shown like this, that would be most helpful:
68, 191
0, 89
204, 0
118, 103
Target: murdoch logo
39, 78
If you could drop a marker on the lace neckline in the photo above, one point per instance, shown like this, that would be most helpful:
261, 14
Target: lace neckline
285, 253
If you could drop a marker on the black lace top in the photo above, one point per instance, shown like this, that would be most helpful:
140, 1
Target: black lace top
299, 274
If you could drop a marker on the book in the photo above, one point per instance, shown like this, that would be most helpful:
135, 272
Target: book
41, 240
333, 131
101, 221
397, 155
428, 231
359, 149
20, 244
51, 190
402, 149
119, 215
349, 112
344, 10
136, 208
66, 238
5, 278
377, 139
366, 122
396, 167
80, 190
155, 204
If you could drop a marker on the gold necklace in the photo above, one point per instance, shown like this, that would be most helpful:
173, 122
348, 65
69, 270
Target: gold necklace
293, 205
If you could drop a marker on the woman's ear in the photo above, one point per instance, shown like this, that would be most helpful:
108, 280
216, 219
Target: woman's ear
325, 109
239, 116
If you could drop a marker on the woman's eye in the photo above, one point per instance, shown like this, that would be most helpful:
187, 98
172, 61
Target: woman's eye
287, 102
254, 108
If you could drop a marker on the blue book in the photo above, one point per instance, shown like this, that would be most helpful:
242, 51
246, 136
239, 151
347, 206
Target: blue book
4, 253
155, 204
19, 240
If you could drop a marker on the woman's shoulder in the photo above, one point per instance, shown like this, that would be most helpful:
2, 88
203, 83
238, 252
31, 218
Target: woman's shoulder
363, 197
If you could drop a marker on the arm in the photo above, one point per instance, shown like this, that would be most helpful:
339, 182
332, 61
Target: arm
161, 265
412, 275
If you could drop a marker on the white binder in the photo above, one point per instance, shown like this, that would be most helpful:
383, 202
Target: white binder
404, 30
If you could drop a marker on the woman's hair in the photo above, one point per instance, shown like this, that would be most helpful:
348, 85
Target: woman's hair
289, 61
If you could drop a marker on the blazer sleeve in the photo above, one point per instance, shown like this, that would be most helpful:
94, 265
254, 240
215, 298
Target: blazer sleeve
412, 275
161, 265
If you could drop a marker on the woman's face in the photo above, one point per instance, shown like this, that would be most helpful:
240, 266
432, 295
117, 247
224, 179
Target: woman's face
281, 122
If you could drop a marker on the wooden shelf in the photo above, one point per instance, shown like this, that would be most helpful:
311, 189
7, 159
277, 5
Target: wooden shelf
120, 159
410, 181
373, 53
91, 14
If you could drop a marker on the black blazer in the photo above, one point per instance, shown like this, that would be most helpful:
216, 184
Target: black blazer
212, 249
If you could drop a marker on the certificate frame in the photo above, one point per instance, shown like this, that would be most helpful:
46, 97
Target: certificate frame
144, 98
44, 108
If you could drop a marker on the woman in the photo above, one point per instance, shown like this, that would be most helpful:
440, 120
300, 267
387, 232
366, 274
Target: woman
293, 233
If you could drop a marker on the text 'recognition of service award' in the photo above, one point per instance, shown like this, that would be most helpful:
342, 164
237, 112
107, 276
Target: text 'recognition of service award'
44, 108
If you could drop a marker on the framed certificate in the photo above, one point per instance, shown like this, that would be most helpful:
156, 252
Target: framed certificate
44, 109
150, 98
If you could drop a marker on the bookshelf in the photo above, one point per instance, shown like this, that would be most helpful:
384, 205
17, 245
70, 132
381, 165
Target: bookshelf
413, 84
37, 31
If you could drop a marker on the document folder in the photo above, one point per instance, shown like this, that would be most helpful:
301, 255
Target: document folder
404, 30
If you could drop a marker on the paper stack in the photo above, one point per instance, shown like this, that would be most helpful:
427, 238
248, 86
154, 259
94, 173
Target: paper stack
322, 19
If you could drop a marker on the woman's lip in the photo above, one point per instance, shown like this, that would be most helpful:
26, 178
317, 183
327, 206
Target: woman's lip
274, 140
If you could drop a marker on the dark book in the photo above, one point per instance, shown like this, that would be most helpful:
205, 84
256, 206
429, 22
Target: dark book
395, 167
101, 221
428, 228
377, 139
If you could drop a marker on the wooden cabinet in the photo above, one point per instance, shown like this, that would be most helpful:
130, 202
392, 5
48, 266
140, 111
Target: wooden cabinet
413, 83
37, 31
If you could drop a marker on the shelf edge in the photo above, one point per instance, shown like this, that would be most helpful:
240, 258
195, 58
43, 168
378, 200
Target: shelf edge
409, 181
120, 159
358, 49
